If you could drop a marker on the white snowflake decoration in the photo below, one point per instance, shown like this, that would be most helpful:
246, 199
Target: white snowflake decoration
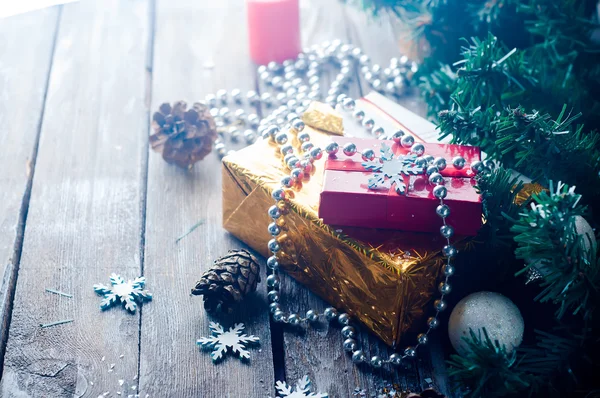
221, 340
129, 293
391, 168
301, 390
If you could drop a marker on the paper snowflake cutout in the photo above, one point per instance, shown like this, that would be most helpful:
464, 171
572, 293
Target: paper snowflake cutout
390, 168
221, 340
302, 390
129, 293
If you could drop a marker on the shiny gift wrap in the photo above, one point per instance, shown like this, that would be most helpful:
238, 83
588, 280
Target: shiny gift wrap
384, 278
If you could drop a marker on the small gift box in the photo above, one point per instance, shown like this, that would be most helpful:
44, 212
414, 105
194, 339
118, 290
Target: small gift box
392, 192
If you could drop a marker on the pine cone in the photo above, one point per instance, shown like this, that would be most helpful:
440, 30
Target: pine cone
183, 136
231, 278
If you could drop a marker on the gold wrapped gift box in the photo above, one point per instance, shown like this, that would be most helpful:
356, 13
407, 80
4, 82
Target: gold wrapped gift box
387, 279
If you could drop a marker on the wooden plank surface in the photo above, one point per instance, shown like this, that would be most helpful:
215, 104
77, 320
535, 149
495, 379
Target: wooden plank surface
23, 84
84, 218
199, 48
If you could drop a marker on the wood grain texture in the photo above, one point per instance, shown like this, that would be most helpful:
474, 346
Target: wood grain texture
199, 48
23, 84
84, 219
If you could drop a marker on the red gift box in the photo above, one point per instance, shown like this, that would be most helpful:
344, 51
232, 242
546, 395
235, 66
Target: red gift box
346, 199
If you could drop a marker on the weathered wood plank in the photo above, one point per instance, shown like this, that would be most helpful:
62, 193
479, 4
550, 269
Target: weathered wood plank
379, 38
23, 84
84, 219
199, 47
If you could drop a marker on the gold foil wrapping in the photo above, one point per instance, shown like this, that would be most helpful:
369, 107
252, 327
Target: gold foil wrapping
323, 117
384, 278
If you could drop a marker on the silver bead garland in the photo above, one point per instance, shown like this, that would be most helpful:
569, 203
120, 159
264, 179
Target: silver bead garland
295, 84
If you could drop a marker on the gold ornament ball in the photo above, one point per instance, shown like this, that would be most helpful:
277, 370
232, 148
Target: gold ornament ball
497, 314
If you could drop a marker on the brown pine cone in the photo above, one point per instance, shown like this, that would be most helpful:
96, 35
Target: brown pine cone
183, 136
228, 281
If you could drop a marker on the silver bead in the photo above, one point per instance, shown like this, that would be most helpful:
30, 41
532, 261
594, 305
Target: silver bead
368, 155
418, 149
271, 131
348, 332
410, 352
273, 296
273, 229
312, 316
422, 338
395, 359
421, 162
222, 96
378, 132
348, 104
407, 141
236, 95
303, 137
332, 148
344, 319
211, 100
448, 270
377, 85
220, 149
281, 138
349, 149
376, 362
358, 356
307, 146
359, 115
440, 163
477, 166
287, 181
249, 136
297, 174
316, 153
340, 99
294, 319
330, 313
489, 163
429, 159
266, 99
298, 124
272, 262
368, 124
279, 316
432, 169
433, 322
440, 191
252, 97
447, 231
273, 66
397, 136
274, 212
436, 179
274, 307
442, 211
287, 150
350, 345
293, 162
225, 114
440, 305
390, 88
449, 251
273, 281
444, 287
306, 166
458, 162
274, 246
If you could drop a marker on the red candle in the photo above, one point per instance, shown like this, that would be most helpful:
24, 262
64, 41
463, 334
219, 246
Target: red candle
273, 30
